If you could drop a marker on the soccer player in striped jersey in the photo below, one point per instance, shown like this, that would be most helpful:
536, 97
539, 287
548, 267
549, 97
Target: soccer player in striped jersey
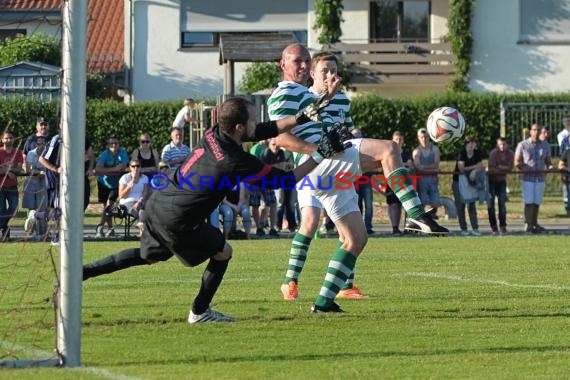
287, 99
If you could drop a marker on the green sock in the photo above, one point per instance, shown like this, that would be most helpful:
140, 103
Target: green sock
297, 256
400, 182
340, 267
349, 284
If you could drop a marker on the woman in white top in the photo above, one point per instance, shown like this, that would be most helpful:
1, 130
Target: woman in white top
134, 191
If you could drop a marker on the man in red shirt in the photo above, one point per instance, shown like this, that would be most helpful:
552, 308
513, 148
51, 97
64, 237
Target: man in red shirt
11, 160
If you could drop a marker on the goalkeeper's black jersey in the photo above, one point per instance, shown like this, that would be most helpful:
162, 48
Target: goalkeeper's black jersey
211, 171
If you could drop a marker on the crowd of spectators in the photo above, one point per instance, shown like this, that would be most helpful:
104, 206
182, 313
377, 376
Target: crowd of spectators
126, 181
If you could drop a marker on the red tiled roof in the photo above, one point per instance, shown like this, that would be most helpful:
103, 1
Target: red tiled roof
105, 36
105, 30
31, 4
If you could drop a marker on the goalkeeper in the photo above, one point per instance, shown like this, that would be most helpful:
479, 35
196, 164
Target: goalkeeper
175, 223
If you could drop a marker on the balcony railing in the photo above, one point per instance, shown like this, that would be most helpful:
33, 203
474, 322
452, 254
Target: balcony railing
397, 64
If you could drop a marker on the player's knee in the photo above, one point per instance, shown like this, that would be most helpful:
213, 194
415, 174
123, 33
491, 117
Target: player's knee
355, 244
225, 254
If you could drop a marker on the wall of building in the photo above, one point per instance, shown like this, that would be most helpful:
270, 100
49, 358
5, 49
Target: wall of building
500, 64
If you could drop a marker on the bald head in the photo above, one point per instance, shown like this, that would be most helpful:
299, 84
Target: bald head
296, 63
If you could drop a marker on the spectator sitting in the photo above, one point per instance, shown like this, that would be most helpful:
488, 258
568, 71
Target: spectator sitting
133, 192
176, 151
110, 167
146, 155
236, 203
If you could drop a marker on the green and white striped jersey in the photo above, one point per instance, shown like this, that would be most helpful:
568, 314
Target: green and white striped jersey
338, 109
289, 98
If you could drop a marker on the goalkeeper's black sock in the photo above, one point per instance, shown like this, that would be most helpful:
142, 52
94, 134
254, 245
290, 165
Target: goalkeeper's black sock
127, 258
211, 279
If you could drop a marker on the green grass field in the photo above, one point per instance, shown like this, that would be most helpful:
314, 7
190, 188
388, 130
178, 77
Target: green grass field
442, 308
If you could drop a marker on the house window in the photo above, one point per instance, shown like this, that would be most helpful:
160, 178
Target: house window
200, 39
399, 20
212, 39
10, 33
544, 22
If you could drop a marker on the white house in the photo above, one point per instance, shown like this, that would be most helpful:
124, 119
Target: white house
521, 46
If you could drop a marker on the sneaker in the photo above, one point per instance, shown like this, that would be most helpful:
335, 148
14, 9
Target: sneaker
260, 232
110, 233
353, 293
504, 231
475, 233
396, 231
494, 231
464, 233
333, 308
99, 232
290, 291
539, 229
370, 231
55, 240
209, 316
273, 232
425, 224
30, 221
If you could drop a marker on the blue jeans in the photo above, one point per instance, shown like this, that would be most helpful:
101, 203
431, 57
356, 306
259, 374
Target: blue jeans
365, 203
8, 205
460, 207
497, 190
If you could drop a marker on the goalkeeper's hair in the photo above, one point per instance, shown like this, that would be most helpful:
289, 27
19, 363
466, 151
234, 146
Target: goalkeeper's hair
324, 56
232, 112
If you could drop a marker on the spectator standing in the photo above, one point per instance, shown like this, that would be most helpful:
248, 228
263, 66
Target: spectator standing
42, 131
176, 151
111, 165
564, 166
469, 163
500, 164
394, 205
146, 155
185, 114
562, 137
35, 192
532, 156
364, 191
11, 161
426, 159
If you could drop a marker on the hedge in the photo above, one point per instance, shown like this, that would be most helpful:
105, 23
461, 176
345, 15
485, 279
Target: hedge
377, 117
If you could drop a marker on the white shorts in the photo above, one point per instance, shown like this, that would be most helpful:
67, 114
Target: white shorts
322, 188
533, 192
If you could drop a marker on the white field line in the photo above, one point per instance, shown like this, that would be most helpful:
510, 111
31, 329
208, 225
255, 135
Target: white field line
101, 372
482, 281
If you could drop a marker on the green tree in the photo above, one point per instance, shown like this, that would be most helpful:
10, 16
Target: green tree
328, 17
35, 48
259, 76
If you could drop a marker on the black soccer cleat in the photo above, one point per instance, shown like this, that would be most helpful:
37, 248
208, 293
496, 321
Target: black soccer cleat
425, 224
334, 308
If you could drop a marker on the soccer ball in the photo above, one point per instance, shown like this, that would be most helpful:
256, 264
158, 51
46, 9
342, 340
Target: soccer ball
445, 124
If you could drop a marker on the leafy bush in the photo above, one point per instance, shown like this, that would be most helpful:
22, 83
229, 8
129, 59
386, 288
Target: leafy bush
35, 48
259, 76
